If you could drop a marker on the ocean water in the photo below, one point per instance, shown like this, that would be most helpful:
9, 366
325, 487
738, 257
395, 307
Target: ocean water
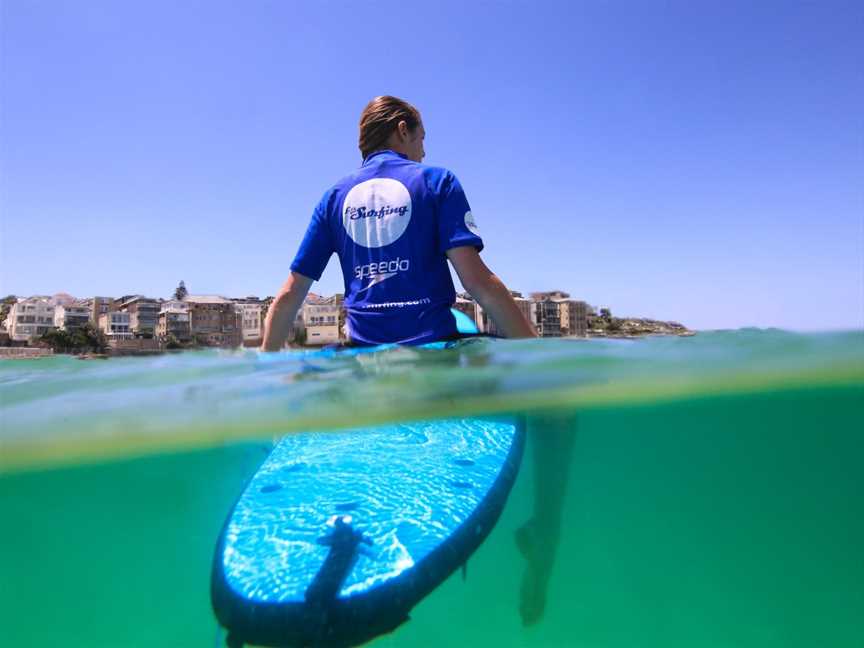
715, 490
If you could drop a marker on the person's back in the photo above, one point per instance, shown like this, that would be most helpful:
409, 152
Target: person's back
391, 224
395, 223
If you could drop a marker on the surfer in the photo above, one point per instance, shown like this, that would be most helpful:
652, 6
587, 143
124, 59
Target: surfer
394, 224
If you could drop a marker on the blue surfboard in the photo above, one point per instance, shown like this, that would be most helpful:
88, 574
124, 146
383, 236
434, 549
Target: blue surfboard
339, 535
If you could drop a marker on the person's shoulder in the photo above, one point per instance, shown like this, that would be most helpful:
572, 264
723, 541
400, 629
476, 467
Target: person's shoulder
341, 186
437, 177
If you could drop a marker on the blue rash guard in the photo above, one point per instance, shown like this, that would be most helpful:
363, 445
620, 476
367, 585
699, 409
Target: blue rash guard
391, 223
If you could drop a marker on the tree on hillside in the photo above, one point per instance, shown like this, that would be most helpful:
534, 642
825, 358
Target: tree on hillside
180, 293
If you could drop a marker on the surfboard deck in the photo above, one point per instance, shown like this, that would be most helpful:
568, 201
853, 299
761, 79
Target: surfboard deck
339, 535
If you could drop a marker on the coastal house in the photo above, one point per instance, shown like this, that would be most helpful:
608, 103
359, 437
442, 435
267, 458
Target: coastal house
546, 316
30, 318
323, 318
98, 306
174, 321
251, 312
572, 314
143, 314
214, 321
71, 317
574, 317
115, 325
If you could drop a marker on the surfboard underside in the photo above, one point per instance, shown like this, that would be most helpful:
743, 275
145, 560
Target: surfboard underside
339, 534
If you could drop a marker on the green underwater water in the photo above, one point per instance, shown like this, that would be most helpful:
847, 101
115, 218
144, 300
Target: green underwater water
726, 514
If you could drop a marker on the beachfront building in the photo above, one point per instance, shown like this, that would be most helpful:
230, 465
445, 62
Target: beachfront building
115, 325
30, 318
214, 321
251, 311
174, 321
323, 318
71, 317
98, 306
143, 314
572, 314
546, 317
574, 317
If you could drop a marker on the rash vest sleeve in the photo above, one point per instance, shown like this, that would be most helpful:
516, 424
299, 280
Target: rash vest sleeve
456, 227
317, 245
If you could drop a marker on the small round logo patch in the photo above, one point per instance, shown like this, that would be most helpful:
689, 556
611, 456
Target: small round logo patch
376, 212
470, 224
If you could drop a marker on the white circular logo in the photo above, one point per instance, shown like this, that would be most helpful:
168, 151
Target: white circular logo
470, 224
376, 212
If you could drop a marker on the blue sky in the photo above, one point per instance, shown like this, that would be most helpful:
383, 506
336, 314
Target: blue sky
698, 161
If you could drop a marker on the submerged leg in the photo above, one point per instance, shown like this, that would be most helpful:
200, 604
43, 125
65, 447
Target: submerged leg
552, 437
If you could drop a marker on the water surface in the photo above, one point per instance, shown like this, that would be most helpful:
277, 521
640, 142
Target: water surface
715, 494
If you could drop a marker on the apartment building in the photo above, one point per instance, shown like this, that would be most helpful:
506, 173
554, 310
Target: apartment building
174, 320
323, 318
214, 321
546, 317
71, 317
98, 306
251, 311
29, 318
143, 314
116, 325
574, 317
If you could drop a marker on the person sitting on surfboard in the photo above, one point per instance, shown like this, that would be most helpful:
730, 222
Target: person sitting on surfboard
394, 224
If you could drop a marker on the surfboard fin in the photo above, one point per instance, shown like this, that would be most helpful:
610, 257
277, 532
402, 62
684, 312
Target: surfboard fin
345, 544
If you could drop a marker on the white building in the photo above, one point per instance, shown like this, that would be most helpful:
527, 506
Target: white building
116, 325
322, 321
252, 321
29, 318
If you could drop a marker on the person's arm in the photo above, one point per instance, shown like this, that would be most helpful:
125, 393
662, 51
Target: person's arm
490, 292
283, 310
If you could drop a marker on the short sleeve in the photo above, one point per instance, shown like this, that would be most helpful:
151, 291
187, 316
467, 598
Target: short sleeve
317, 245
456, 226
